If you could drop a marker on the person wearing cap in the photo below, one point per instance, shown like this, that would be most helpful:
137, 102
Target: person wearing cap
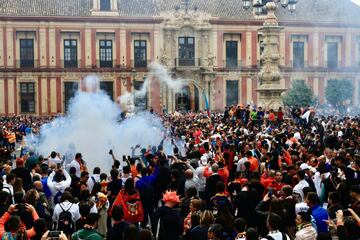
89, 231
167, 222
21, 172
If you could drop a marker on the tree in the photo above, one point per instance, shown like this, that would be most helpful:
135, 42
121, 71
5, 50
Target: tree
299, 94
338, 91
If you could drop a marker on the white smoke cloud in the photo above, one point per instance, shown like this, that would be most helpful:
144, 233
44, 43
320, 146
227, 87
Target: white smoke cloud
157, 72
91, 125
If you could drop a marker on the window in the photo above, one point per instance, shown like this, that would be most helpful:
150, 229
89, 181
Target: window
232, 93
298, 54
231, 54
27, 53
70, 53
70, 89
140, 54
106, 55
27, 97
105, 5
186, 51
108, 88
140, 100
332, 54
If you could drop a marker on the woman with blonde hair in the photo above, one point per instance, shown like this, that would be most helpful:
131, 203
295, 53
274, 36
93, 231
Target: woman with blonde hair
200, 232
195, 206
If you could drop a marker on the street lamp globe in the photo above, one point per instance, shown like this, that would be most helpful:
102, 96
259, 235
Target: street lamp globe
292, 5
258, 7
246, 4
284, 3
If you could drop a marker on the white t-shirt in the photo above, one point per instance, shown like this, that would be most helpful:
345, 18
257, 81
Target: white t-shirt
299, 188
73, 208
276, 235
55, 160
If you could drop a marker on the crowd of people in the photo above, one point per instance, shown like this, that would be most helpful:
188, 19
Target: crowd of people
242, 174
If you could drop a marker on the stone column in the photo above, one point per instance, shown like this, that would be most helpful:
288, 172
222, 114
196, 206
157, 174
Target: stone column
270, 88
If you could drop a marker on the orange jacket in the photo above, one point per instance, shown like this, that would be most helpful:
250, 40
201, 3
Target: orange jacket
287, 159
254, 164
224, 174
29, 232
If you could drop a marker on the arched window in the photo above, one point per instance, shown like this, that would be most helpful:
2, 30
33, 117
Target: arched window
105, 5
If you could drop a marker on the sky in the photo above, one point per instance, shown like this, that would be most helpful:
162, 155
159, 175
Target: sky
356, 2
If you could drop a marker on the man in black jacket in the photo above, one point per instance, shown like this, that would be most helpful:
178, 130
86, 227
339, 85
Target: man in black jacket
117, 231
210, 186
21, 172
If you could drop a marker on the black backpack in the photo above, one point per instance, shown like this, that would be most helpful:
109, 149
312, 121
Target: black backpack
65, 222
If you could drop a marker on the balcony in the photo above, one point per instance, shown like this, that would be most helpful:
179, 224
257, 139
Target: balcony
333, 64
70, 64
105, 64
187, 63
27, 64
232, 65
298, 65
139, 65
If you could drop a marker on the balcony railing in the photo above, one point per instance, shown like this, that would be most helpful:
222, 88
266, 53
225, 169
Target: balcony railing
187, 63
232, 65
139, 64
27, 63
333, 64
294, 65
70, 64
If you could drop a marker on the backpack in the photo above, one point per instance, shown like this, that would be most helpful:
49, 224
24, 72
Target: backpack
133, 209
65, 222
10, 198
57, 197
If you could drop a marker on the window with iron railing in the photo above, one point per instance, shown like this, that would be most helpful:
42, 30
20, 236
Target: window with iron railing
27, 97
70, 53
298, 54
70, 89
140, 54
27, 53
106, 53
186, 51
332, 54
231, 54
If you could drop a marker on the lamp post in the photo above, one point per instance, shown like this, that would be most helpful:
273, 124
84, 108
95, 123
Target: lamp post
269, 76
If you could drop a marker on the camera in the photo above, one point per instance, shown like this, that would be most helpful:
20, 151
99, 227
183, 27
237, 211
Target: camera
54, 235
20, 207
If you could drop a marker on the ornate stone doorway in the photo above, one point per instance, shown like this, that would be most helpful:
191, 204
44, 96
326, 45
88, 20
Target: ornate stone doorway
182, 99
187, 99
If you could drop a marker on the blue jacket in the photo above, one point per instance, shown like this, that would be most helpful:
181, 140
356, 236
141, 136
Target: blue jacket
320, 215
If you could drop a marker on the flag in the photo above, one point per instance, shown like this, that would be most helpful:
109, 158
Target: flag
206, 104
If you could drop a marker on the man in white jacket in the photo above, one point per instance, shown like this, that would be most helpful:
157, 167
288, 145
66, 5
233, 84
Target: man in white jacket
57, 185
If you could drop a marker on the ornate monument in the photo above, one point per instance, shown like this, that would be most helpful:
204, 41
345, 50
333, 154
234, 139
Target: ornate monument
269, 77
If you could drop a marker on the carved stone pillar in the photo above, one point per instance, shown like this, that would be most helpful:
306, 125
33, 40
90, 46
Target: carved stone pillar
270, 88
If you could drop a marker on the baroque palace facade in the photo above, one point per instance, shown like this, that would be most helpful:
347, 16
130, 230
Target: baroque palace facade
47, 47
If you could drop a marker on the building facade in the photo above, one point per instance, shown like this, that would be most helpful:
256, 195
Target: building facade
48, 47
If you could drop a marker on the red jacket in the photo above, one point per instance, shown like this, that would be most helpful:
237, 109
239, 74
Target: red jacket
29, 232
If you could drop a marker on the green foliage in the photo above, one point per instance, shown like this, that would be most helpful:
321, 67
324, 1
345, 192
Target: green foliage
299, 94
338, 91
